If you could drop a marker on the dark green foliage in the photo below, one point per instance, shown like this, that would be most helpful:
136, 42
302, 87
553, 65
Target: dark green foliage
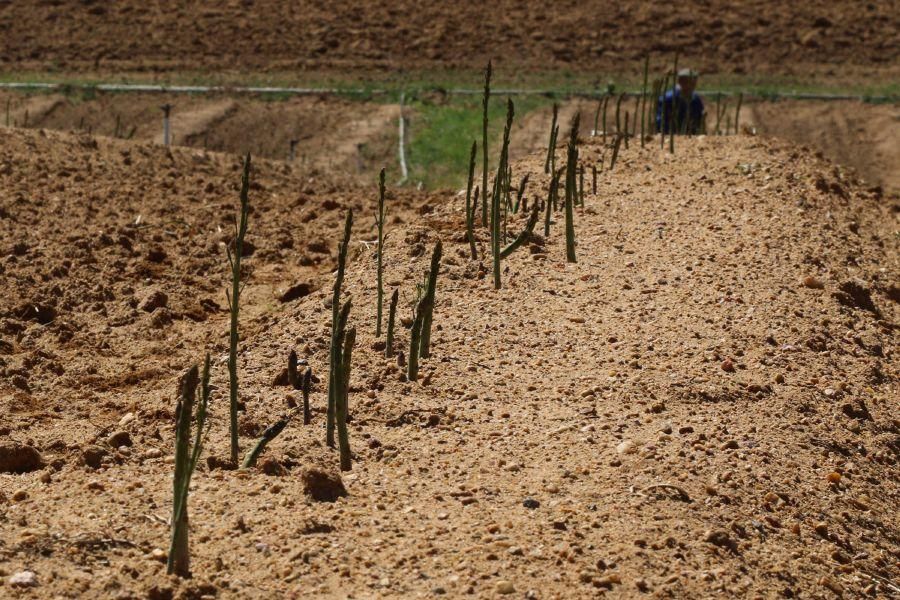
379, 222
186, 458
392, 315
571, 169
470, 207
337, 331
234, 259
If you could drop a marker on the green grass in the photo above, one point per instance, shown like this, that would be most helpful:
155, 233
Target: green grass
368, 85
441, 134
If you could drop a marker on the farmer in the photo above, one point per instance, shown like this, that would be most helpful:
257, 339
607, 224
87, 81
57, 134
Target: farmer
689, 106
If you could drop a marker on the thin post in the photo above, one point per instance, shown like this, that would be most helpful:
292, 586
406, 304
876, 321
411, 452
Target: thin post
484, 144
404, 172
167, 109
643, 103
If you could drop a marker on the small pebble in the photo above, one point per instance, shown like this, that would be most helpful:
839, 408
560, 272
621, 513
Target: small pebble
626, 447
119, 439
812, 283
834, 477
530, 503
158, 554
728, 365
505, 587
23, 579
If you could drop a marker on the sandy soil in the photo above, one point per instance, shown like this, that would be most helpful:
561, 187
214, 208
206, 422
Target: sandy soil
730, 330
826, 39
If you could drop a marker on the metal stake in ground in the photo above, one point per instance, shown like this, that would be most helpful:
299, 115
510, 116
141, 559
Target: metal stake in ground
167, 109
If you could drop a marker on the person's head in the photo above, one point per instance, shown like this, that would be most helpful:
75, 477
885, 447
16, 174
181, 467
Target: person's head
687, 81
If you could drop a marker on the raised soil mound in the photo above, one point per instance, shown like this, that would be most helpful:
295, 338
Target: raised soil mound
704, 404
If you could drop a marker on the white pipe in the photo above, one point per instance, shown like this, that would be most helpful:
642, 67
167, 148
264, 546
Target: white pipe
403, 171
306, 91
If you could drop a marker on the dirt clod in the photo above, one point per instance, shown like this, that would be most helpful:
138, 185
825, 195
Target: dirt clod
151, 299
119, 438
93, 456
19, 458
323, 486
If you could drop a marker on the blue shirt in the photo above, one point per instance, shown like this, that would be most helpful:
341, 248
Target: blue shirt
689, 115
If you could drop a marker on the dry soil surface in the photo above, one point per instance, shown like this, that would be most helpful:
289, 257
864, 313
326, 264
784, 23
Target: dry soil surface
821, 38
863, 136
704, 405
349, 137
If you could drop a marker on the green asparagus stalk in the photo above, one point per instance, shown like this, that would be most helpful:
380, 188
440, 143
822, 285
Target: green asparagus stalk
484, 145
379, 222
425, 340
336, 330
392, 314
343, 401
412, 367
571, 168
470, 209
551, 146
234, 259
186, 458
643, 108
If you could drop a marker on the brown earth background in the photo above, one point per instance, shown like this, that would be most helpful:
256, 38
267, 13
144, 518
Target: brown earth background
705, 405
